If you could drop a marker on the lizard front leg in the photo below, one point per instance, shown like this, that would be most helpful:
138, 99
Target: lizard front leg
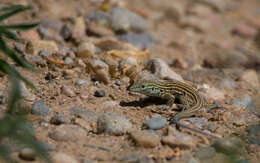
170, 102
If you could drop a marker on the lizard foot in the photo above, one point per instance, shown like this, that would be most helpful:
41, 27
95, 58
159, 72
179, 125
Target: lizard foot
163, 107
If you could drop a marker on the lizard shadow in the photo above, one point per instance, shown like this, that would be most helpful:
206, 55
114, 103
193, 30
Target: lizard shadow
143, 102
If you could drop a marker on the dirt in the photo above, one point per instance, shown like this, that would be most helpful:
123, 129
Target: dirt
188, 50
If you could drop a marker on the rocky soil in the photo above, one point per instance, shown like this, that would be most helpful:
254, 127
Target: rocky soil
88, 52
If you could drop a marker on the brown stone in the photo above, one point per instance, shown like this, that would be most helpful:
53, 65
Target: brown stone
63, 158
68, 133
35, 46
30, 35
79, 30
145, 139
86, 50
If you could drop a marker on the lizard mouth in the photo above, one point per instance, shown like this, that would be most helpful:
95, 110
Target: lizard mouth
130, 88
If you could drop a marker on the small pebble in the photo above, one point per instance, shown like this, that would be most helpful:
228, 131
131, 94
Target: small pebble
100, 17
246, 102
141, 41
118, 82
71, 54
97, 83
113, 124
66, 32
25, 93
244, 30
59, 119
156, 122
180, 63
81, 82
2, 97
86, 114
69, 74
27, 154
68, 60
81, 63
40, 108
102, 75
43, 122
145, 139
100, 93
84, 96
124, 20
68, 91
99, 64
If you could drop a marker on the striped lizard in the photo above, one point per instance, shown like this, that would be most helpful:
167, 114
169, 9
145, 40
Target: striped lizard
189, 98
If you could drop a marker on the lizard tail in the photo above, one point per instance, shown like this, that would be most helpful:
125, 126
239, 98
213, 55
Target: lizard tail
175, 120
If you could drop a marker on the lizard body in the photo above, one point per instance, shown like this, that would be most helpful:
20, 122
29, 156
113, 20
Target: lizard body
190, 99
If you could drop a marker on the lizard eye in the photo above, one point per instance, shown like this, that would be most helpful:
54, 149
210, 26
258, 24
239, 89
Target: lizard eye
143, 86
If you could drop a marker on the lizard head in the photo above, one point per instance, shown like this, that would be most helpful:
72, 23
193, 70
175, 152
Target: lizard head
145, 87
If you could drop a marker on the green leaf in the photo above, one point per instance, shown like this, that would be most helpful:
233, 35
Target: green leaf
13, 55
14, 94
12, 7
8, 69
20, 26
9, 34
12, 11
12, 126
